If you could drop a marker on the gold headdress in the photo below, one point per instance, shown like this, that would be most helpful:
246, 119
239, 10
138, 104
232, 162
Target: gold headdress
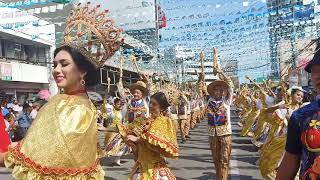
172, 93
92, 33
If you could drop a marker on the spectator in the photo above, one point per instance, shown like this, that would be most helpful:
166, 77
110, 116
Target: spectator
24, 119
5, 140
4, 108
9, 120
15, 104
35, 109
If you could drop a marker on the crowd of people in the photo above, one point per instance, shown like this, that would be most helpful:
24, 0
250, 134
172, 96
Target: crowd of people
283, 124
59, 140
143, 121
18, 118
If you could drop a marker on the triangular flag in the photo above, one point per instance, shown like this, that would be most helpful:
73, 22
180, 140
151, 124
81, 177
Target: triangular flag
45, 9
37, 10
52, 8
60, 6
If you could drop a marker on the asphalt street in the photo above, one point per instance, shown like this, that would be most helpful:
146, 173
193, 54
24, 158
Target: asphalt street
195, 160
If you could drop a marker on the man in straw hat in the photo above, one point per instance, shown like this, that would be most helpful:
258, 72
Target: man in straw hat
138, 106
219, 122
184, 116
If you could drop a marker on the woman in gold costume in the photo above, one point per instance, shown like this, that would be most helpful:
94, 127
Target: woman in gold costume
153, 139
114, 144
62, 141
245, 106
253, 116
274, 149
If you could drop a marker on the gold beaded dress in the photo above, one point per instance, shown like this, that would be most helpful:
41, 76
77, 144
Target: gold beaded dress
157, 140
61, 143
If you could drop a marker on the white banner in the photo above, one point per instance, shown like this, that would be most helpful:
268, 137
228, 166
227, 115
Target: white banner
29, 73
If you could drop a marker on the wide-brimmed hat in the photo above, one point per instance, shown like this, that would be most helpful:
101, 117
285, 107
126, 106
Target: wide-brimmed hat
139, 85
220, 83
289, 91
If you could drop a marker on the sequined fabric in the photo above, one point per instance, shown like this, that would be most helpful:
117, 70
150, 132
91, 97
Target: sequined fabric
115, 146
160, 141
63, 136
254, 114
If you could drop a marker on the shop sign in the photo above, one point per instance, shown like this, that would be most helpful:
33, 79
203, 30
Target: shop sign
5, 72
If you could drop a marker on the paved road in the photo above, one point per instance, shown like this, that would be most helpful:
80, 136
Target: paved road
195, 160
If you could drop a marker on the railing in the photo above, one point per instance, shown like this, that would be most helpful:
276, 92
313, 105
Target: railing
5, 59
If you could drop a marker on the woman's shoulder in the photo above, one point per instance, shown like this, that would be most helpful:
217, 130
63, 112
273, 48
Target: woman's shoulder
63, 100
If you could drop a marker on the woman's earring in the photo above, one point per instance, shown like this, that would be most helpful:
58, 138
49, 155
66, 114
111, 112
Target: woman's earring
83, 82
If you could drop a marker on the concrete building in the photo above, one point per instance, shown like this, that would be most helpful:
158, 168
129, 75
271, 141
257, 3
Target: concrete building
292, 23
26, 45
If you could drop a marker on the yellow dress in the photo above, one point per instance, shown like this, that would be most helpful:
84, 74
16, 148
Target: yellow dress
274, 147
246, 110
263, 118
60, 144
273, 150
158, 140
251, 118
115, 146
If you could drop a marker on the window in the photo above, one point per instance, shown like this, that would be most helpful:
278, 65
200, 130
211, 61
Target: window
30, 52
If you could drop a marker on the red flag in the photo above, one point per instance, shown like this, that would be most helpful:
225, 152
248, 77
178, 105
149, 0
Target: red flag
162, 18
4, 136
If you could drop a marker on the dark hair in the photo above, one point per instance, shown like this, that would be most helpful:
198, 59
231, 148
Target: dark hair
92, 77
8, 116
160, 97
25, 106
116, 100
294, 91
4, 102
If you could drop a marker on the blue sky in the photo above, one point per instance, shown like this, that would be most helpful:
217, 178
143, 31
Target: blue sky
246, 42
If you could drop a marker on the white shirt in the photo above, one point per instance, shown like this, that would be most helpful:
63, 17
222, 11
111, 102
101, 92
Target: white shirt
33, 114
221, 130
109, 109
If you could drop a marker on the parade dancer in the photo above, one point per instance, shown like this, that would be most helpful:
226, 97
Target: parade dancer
184, 121
194, 112
138, 107
275, 111
219, 123
253, 116
173, 110
202, 108
274, 150
246, 106
302, 146
62, 141
153, 139
114, 144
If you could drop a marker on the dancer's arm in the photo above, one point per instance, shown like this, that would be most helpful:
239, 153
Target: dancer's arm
280, 105
2, 159
291, 160
289, 167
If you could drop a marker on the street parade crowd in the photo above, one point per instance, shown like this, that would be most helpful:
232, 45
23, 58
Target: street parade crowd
147, 117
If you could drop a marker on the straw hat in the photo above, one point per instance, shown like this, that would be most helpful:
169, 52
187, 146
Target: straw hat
223, 84
295, 88
139, 85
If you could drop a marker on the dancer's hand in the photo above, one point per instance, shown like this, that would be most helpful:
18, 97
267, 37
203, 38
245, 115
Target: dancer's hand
131, 141
13, 144
132, 138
